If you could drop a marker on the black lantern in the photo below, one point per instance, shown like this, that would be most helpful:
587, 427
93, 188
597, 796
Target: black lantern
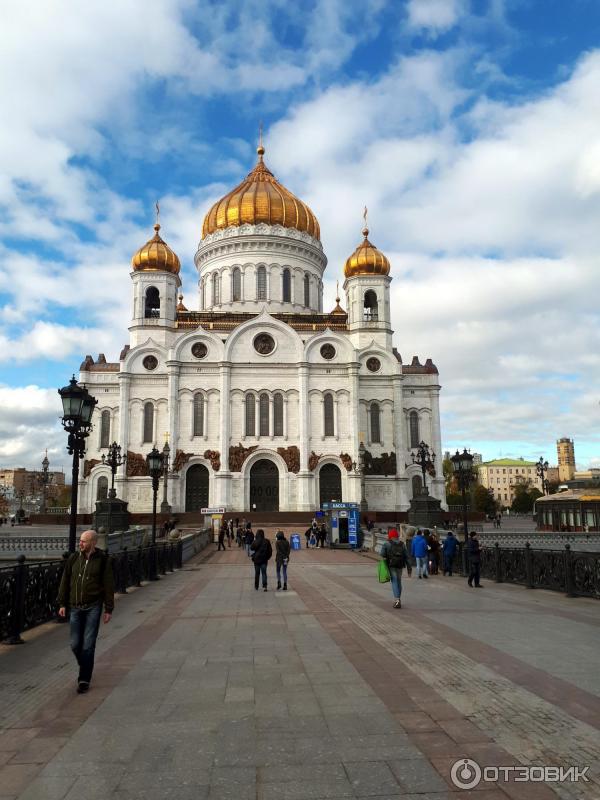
462, 466
541, 469
78, 408
154, 460
114, 460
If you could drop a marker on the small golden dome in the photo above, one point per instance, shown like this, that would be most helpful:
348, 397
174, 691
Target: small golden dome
261, 198
156, 256
180, 306
366, 260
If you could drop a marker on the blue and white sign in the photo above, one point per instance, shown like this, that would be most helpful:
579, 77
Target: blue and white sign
353, 523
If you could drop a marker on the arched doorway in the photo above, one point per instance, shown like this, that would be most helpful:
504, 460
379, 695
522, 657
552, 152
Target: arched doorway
264, 486
196, 488
330, 484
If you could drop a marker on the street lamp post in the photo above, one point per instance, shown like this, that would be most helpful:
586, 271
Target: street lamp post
154, 459
364, 506
541, 469
78, 407
462, 465
114, 460
165, 508
44, 478
425, 459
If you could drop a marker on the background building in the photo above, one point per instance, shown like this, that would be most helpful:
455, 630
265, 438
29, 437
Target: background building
264, 396
503, 474
565, 449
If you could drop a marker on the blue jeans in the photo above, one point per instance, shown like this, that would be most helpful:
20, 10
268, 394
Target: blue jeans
396, 578
281, 568
84, 632
421, 565
260, 569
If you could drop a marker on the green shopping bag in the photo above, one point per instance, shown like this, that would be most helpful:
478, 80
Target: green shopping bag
383, 572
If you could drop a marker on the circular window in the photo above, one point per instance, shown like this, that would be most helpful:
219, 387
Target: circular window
150, 362
328, 351
373, 364
199, 350
264, 344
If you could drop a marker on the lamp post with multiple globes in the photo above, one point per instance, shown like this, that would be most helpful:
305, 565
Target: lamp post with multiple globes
78, 407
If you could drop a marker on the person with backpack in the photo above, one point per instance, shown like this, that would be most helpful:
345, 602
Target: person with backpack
396, 557
261, 553
282, 557
248, 539
86, 585
449, 551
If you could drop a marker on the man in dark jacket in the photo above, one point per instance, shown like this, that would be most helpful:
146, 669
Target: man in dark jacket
262, 552
474, 560
86, 585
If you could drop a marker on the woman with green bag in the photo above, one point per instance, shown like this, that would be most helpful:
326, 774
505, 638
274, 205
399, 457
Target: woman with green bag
395, 557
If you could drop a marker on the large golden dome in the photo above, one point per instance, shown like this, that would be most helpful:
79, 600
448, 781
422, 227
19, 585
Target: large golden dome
366, 260
156, 256
260, 198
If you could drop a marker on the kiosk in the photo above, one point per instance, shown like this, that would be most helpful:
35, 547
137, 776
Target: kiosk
343, 521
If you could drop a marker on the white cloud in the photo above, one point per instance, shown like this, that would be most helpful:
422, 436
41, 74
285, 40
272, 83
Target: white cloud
436, 16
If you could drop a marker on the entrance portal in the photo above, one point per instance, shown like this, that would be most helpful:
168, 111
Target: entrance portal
264, 486
196, 488
330, 484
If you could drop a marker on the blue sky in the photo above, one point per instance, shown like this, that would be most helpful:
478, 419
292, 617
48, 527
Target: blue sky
470, 128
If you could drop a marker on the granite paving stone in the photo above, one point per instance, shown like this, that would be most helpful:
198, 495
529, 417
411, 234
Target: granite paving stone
216, 691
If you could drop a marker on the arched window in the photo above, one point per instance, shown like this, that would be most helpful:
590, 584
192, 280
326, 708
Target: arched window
328, 415
236, 284
306, 289
216, 281
370, 306
263, 424
417, 485
102, 488
250, 415
148, 422
261, 283
152, 303
286, 289
105, 428
198, 415
413, 419
375, 423
278, 415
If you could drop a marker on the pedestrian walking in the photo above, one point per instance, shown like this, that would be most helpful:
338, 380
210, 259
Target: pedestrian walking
434, 554
474, 552
261, 553
86, 585
282, 558
396, 557
221, 538
323, 534
248, 539
307, 535
419, 553
448, 552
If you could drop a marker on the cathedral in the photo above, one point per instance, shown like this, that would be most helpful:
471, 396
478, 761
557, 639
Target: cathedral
263, 397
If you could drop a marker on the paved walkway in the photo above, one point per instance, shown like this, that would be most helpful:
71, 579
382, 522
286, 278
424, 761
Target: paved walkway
205, 688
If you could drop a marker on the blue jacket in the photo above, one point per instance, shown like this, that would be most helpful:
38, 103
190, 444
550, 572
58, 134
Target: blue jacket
419, 547
449, 546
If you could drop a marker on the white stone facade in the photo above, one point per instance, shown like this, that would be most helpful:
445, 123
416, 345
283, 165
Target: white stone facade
321, 406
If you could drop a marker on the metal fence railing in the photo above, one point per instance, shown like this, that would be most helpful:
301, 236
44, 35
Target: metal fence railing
29, 590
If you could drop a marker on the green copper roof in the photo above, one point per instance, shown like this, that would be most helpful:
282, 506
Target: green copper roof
508, 462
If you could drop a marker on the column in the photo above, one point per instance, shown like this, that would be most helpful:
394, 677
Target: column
223, 476
436, 444
354, 481
336, 418
303, 421
173, 394
285, 417
271, 417
124, 390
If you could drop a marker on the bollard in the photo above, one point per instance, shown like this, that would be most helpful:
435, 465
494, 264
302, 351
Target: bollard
528, 565
17, 611
497, 562
122, 571
139, 566
569, 572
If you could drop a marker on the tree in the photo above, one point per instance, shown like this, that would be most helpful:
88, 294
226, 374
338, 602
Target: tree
525, 497
3, 505
482, 499
448, 471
